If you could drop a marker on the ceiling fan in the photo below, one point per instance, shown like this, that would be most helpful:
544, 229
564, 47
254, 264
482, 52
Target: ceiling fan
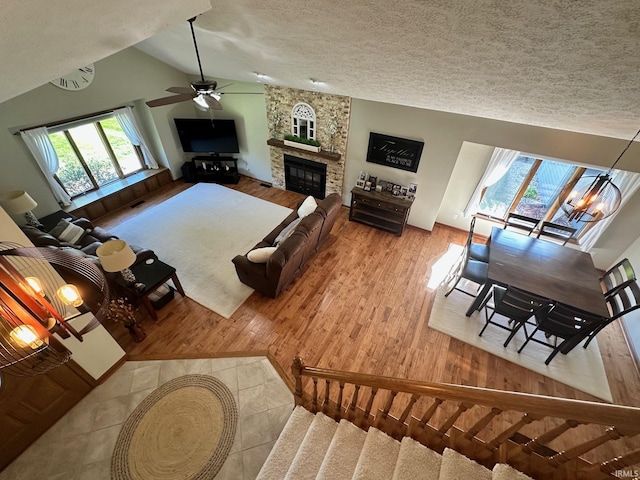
203, 92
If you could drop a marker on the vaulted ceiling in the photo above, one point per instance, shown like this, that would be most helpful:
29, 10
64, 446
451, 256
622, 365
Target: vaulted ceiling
565, 64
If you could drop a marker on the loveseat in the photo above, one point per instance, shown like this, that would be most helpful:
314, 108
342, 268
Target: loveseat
82, 237
275, 262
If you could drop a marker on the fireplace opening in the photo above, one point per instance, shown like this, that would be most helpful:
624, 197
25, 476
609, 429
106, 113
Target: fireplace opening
305, 176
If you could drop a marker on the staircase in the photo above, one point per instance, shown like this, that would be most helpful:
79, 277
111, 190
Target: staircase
317, 447
357, 426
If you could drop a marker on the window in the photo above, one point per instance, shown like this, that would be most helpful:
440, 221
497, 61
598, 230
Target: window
93, 154
536, 188
303, 121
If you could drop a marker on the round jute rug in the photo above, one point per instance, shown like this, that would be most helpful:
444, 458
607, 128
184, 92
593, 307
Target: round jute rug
182, 431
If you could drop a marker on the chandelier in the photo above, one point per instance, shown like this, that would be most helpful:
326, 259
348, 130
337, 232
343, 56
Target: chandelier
595, 198
41, 290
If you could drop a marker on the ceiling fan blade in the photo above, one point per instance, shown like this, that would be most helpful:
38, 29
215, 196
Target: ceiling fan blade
240, 93
169, 100
183, 90
224, 86
212, 102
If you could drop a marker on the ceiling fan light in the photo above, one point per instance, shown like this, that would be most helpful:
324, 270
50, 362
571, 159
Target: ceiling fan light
200, 101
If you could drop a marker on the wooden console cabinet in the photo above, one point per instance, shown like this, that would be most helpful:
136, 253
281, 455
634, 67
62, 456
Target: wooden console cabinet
379, 209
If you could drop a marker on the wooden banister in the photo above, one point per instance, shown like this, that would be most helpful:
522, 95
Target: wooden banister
507, 442
626, 418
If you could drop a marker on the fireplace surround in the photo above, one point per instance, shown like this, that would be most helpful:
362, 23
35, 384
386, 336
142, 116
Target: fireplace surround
305, 176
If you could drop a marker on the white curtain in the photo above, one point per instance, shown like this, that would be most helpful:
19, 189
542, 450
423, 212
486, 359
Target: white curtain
499, 164
39, 144
628, 183
127, 122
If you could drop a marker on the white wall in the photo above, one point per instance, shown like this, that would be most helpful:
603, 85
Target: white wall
98, 352
450, 169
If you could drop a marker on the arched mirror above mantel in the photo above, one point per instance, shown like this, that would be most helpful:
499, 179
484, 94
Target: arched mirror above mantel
303, 121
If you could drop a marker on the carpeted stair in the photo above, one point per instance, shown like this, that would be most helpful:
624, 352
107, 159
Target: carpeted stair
316, 447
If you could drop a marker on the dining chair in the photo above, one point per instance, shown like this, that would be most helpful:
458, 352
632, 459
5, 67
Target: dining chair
623, 299
521, 222
468, 269
620, 273
477, 251
556, 232
515, 304
565, 322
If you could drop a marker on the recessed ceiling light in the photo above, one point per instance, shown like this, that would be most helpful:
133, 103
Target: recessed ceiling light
315, 82
261, 76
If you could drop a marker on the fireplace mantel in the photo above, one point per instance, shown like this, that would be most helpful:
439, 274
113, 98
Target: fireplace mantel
321, 154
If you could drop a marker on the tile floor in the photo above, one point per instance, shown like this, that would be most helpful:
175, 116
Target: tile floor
79, 446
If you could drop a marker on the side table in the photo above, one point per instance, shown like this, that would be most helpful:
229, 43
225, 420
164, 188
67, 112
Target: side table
153, 275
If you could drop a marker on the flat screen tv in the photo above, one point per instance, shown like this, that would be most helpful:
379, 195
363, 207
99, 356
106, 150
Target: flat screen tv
203, 135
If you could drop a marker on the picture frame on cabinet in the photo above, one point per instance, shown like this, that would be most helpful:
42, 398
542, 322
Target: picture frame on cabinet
411, 194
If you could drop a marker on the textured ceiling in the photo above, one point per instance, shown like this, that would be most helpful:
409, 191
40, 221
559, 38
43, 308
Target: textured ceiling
43, 39
566, 64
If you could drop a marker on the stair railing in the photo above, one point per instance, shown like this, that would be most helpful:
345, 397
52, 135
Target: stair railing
438, 427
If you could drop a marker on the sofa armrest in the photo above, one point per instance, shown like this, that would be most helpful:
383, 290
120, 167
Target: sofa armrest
143, 254
254, 275
83, 222
40, 238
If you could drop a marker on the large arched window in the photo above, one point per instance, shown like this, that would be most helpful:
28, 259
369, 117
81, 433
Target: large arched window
303, 121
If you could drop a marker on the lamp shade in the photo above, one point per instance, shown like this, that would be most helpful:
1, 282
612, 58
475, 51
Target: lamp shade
115, 255
17, 201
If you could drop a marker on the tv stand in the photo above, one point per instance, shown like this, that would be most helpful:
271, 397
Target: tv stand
212, 169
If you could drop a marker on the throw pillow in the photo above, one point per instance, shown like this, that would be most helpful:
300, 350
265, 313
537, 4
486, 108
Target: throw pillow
67, 232
260, 255
308, 206
286, 232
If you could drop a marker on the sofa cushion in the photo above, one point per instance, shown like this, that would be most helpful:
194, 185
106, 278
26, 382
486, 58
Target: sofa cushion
286, 232
68, 232
308, 206
40, 238
260, 255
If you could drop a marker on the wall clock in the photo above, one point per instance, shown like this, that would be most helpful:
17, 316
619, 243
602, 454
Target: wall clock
76, 80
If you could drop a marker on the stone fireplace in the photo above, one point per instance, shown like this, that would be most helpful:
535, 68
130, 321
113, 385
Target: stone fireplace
280, 100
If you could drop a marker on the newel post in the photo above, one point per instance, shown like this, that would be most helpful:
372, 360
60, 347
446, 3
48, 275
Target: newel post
296, 369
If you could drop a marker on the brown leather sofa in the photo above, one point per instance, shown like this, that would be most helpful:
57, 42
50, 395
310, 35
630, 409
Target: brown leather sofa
288, 260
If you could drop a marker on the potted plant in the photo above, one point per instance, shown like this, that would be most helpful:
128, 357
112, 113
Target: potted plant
302, 143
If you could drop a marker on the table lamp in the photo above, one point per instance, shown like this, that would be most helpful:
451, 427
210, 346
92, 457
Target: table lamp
17, 202
117, 256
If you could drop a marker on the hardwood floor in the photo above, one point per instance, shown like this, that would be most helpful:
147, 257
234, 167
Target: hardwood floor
363, 305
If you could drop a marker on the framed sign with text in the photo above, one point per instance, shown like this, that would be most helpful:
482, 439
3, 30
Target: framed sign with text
394, 152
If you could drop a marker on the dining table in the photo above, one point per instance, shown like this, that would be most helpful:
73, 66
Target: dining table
545, 268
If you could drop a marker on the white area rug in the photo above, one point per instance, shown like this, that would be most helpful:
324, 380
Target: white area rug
581, 368
198, 232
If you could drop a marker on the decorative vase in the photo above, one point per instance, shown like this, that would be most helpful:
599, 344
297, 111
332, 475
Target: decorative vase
136, 332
